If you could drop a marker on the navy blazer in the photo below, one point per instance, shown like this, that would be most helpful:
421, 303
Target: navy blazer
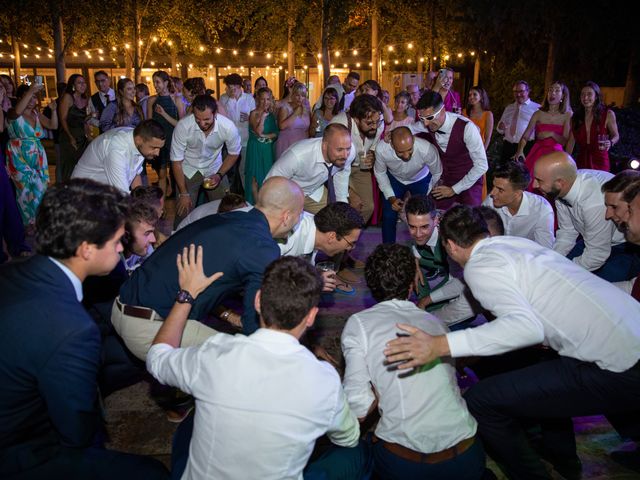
236, 243
49, 358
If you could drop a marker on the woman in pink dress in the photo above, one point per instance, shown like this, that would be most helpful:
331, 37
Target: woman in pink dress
593, 129
294, 119
552, 124
443, 85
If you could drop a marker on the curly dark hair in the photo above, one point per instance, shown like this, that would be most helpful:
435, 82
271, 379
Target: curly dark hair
420, 205
339, 217
76, 211
291, 287
365, 105
463, 225
390, 271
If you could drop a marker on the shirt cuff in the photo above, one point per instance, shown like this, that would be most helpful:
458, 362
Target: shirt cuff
458, 344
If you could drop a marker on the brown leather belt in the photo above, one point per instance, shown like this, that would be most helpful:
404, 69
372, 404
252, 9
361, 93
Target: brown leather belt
138, 312
419, 457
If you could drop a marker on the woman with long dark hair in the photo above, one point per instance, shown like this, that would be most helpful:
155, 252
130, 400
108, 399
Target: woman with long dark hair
551, 123
124, 112
73, 116
322, 116
593, 129
166, 108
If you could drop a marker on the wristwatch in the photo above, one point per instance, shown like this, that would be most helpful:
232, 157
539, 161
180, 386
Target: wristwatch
184, 297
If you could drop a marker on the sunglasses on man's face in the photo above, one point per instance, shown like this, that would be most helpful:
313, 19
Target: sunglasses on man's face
429, 118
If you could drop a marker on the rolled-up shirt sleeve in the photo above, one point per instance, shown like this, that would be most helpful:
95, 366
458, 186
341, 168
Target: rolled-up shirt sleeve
232, 140
475, 146
179, 142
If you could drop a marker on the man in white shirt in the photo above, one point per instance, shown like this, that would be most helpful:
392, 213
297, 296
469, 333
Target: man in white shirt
461, 148
261, 400
515, 119
581, 211
366, 124
537, 296
425, 428
524, 214
314, 162
231, 201
196, 154
407, 164
333, 230
238, 105
100, 99
350, 86
116, 157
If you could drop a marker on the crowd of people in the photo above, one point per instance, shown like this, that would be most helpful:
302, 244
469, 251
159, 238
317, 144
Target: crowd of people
531, 283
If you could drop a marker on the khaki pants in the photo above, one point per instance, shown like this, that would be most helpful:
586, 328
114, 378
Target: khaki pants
311, 206
360, 182
138, 333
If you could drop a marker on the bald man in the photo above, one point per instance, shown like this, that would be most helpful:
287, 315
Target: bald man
406, 164
581, 212
320, 166
240, 244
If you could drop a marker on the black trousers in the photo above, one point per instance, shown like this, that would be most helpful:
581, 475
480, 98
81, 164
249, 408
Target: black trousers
509, 150
552, 392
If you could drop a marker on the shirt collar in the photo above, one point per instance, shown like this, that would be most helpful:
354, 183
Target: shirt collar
75, 281
132, 144
524, 206
449, 120
433, 240
274, 336
574, 192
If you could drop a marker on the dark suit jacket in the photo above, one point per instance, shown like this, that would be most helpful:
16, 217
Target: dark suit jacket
49, 358
236, 243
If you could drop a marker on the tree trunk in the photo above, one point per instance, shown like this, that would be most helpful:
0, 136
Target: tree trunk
476, 71
631, 84
326, 64
375, 71
58, 46
137, 48
16, 61
128, 63
174, 60
551, 65
291, 55
432, 54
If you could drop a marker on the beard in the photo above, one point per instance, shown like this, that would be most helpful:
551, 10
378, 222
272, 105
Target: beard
552, 195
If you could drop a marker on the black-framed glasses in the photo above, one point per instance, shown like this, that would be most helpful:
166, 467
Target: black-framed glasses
351, 245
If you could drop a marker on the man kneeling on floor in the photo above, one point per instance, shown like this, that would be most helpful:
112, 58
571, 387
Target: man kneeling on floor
262, 400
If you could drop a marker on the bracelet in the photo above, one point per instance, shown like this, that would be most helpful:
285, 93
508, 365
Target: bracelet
184, 195
225, 315
220, 174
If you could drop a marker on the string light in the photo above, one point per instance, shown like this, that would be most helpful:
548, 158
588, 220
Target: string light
218, 50
355, 53
390, 48
337, 54
410, 46
201, 48
459, 55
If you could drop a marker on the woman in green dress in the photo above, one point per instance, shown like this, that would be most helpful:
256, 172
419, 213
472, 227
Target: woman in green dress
260, 151
73, 115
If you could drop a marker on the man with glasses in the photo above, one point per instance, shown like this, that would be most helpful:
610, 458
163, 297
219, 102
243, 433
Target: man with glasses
515, 119
333, 230
461, 148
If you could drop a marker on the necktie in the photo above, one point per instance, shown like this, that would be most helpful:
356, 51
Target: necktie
330, 187
514, 122
635, 291
565, 202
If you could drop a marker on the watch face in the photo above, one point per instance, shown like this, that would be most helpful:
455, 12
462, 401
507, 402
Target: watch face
184, 297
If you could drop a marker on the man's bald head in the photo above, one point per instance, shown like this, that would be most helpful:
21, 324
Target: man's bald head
281, 200
402, 142
554, 174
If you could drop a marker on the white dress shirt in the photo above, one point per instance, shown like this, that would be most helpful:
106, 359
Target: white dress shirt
245, 103
473, 141
304, 163
111, 158
540, 296
425, 159
348, 98
527, 109
302, 239
199, 152
533, 220
586, 217
423, 411
261, 403
358, 145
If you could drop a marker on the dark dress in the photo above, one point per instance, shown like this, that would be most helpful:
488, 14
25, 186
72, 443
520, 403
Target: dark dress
166, 102
589, 154
69, 156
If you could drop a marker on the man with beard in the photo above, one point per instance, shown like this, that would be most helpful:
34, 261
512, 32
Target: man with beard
320, 166
462, 153
366, 124
581, 211
196, 154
